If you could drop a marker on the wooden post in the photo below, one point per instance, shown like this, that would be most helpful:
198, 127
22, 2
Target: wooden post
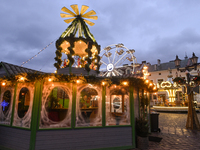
192, 119
149, 115
103, 106
13, 106
35, 114
73, 115
132, 114
138, 96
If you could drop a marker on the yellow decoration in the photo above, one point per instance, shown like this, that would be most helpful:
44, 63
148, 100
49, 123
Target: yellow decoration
73, 16
166, 84
125, 83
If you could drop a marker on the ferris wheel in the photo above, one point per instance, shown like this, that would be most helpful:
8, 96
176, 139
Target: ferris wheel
113, 57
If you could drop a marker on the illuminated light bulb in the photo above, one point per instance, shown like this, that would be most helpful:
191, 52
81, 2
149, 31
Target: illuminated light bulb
76, 66
145, 67
154, 88
147, 81
22, 78
77, 81
125, 83
80, 42
150, 84
3, 84
103, 83
50, 80
55, 71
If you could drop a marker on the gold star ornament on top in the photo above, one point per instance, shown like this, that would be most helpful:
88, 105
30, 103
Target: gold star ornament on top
76, 14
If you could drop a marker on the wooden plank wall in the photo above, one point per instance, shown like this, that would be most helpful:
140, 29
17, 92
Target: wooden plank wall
14, 138
78, 139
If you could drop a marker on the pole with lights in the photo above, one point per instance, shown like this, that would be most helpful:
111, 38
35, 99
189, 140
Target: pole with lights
192, 119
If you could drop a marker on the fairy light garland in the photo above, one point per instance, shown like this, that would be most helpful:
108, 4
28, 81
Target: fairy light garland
37, 53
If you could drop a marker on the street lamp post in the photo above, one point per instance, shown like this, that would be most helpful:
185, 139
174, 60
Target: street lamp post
192, 119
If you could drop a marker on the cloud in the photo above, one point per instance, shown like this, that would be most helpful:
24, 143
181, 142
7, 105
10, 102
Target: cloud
155, 29
182, 44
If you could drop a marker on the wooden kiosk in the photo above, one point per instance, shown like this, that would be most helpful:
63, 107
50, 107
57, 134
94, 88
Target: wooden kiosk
67, 111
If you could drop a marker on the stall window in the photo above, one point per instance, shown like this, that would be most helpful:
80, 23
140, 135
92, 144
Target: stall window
23, 102
57, 104
117, 107
6, 101
88, 112
56, 108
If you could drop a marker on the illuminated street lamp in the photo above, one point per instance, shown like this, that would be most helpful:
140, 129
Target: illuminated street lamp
192, 120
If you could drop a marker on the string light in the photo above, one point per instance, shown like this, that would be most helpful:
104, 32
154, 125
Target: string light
3, 84
37, 54
103, 83
77, 81
125, 83
166, 84
21, 79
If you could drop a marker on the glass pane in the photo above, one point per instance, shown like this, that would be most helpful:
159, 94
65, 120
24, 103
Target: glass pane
117, 107
88, 108
57, 104
23, 102
6, 101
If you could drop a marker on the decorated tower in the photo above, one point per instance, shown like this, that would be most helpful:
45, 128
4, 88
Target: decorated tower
77, 42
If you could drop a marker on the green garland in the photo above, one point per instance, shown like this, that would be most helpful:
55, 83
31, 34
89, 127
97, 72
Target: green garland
32, 77
69, 56
179, 80
69, 35
196, 79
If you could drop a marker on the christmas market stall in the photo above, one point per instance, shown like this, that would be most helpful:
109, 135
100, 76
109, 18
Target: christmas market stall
73, 108
42, 111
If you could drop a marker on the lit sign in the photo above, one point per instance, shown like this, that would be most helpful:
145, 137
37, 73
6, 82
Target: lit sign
4, 104
166, 84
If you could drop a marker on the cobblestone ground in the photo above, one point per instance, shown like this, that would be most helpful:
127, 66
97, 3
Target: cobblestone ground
174, 134
177, 120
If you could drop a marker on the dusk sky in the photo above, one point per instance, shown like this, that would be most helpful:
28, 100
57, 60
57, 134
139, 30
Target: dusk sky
156, 29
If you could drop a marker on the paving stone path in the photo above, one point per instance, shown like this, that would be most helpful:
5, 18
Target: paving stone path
174, 134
